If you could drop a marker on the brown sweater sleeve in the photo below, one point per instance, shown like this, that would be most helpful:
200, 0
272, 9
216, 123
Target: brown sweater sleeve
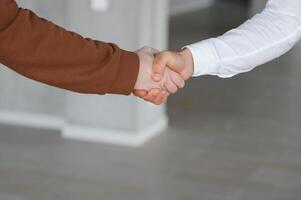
40, 50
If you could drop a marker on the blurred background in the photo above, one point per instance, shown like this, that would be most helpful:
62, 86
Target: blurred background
218, 139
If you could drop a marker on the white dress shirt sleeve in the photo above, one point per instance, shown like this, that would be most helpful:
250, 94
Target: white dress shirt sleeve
261, 39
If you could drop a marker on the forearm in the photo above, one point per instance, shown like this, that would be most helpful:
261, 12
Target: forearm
265, 37
40, 50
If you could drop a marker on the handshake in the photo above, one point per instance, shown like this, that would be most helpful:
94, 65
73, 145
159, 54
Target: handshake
162, 73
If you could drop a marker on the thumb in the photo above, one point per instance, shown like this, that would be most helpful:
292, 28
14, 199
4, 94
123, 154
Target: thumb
160, 63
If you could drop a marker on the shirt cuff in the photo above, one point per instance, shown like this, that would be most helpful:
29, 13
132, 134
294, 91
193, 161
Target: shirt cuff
204, 58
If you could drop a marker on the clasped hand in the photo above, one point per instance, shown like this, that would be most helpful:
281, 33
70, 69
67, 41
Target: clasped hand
162, 73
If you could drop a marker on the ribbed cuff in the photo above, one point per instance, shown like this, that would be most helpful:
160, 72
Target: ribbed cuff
127, 76
204, 58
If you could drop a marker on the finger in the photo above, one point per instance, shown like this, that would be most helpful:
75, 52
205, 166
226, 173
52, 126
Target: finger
152, 95
177, 79
140, 93
163, 94
161, 97
170, 86
160, 63
165, 98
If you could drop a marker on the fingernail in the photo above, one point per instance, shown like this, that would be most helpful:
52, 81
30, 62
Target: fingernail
157, 77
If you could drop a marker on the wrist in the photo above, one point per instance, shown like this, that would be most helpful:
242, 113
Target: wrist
188, 63
140, 71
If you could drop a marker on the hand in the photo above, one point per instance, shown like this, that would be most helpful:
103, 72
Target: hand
180, 62
155, 91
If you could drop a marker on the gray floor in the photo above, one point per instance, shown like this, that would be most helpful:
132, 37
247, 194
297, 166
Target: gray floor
229, 140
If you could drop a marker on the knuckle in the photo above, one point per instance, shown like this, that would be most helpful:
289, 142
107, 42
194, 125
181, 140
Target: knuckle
147, 48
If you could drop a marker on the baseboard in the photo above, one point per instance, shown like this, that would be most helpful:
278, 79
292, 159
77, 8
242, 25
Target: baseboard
132, 139
32, 120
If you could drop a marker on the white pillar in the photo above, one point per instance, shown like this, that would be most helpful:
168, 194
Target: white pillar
117, 119
114, 119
